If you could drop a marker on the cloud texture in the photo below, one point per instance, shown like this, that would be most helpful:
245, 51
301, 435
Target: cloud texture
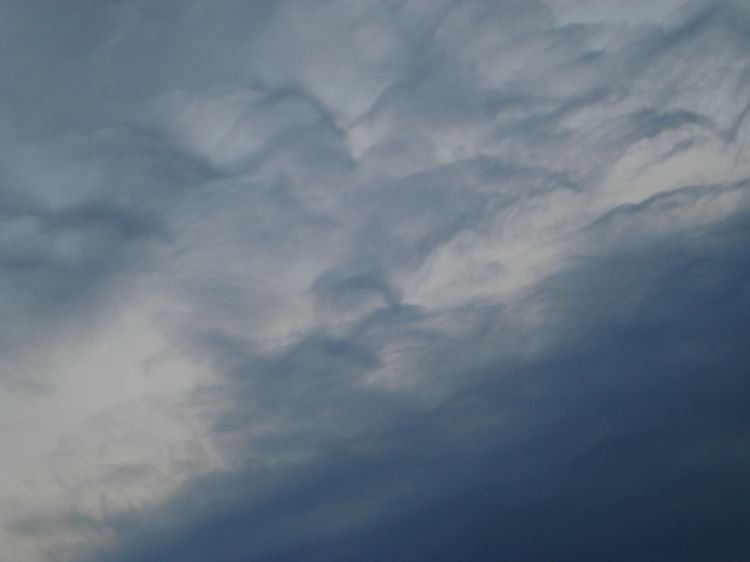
374, 280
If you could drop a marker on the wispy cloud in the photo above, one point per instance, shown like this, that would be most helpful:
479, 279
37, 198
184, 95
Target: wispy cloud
374, 280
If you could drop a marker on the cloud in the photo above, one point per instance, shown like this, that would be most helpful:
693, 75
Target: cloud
374, 280
615, 432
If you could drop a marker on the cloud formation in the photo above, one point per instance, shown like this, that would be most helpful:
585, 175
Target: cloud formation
374, 280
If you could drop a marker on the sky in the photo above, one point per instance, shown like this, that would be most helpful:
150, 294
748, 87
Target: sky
367, 280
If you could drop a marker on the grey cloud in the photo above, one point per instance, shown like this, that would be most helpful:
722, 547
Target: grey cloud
462, 286
621, 439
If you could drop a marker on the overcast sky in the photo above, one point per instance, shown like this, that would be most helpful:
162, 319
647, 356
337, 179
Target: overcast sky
374, 280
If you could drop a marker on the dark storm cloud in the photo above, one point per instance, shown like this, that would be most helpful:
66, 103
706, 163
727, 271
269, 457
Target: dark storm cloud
620, 439
473, 282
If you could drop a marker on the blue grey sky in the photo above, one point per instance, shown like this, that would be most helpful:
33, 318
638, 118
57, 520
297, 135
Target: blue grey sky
369, 280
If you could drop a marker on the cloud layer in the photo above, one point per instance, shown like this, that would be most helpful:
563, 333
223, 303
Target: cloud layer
374, 280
